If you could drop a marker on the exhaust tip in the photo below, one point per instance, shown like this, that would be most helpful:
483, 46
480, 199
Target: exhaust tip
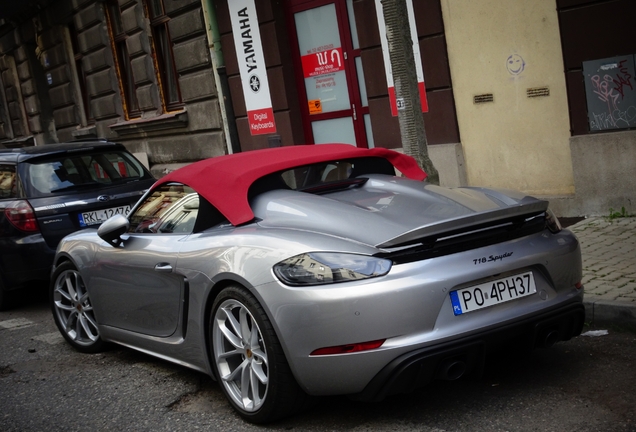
451, 370
551, 338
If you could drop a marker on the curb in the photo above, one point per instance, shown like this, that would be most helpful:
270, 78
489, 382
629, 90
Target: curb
611, 313
598, 233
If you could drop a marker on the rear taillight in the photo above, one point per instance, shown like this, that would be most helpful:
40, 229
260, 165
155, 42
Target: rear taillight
21, 216
552, 222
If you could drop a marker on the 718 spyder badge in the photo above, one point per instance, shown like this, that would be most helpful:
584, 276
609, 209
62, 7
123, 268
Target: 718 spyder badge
492, 258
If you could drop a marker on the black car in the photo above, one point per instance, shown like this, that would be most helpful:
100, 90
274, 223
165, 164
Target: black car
49, 191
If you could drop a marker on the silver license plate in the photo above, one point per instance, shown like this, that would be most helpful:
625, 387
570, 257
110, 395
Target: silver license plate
491, 293
99, 216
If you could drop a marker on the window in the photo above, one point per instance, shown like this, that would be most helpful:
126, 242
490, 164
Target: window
171, 208
313, 177
164, 57
175, 208
76, 172
7, 181
127, 81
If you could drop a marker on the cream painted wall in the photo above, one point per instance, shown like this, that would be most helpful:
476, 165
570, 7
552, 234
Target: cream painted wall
515, 142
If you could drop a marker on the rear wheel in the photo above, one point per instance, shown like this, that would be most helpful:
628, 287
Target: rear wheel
73, 311
248, 360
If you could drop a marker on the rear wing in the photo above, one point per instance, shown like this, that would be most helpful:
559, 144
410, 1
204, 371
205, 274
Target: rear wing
473, 222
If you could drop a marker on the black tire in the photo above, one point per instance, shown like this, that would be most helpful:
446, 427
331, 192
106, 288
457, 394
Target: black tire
73, 311
258, 353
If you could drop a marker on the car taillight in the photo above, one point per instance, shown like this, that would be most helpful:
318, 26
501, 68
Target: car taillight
552, 222
21, 216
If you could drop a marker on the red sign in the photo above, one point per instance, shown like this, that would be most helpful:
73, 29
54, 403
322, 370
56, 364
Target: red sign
323, 62
261, 121
395, 105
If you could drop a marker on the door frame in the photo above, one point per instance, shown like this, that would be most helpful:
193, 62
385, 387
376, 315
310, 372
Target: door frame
356, 111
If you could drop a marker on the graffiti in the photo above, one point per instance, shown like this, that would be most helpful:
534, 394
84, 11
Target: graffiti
622, 79
515, 64
614, 120
611, 93
604, 91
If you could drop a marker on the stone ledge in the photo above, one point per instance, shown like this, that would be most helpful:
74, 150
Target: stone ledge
165, 121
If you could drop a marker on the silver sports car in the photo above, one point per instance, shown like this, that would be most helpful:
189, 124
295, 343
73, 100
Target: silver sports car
319, 270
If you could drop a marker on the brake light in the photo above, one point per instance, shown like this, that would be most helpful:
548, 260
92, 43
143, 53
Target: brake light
349, 348
552, 222
22, 216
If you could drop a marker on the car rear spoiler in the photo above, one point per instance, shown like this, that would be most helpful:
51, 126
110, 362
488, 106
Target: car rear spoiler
471, 222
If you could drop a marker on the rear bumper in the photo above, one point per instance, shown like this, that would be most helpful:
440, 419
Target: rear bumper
24, 259
466, 356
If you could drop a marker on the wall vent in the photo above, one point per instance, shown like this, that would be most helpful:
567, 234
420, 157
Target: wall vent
483, 98
538, 91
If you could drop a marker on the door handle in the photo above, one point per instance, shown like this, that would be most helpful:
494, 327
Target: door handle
163, 268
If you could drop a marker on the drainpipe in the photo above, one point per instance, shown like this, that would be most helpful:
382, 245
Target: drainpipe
220, 77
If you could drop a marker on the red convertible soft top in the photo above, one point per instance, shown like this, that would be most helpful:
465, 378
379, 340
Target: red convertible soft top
225, 180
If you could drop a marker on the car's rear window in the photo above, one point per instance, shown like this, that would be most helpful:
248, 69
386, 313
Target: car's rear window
320, 176
8, 186
70, 172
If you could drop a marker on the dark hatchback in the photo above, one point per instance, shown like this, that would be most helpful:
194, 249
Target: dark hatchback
49, 191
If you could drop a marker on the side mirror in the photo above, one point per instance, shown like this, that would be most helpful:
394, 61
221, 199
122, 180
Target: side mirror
113, 228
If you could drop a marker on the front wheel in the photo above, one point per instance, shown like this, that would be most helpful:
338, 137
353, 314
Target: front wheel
73, 311
248, 360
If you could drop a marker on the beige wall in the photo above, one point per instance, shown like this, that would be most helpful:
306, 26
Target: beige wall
515, 142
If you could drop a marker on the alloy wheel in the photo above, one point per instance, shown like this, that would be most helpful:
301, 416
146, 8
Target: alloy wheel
240, 355
73, 309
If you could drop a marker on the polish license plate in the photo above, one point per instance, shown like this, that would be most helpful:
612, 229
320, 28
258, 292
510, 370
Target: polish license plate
491, 293
99, 216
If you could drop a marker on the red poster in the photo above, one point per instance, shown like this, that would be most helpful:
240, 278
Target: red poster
323, 62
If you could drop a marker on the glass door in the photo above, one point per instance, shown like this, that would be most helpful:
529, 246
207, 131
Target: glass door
333, 99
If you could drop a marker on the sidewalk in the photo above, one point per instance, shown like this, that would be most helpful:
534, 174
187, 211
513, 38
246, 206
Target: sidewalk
609, 269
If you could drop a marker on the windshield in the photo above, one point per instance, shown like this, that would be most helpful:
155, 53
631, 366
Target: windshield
78, 171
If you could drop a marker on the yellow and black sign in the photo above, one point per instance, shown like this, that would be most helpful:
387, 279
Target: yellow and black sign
315, 107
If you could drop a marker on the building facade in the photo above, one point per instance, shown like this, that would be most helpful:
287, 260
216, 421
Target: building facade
132, 71
538, 95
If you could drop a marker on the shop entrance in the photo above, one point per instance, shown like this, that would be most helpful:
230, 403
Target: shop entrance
332, 93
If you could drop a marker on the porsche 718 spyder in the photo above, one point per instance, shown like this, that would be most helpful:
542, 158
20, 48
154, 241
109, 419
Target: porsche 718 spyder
319, 270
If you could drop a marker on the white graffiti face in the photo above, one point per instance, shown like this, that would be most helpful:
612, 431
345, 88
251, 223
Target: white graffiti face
515, 64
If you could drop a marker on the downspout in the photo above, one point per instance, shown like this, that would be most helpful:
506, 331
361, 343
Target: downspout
220, 77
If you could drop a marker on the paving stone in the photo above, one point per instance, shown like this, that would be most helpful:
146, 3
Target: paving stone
608, 249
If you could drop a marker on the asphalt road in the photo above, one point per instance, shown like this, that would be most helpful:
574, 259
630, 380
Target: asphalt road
587, 384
